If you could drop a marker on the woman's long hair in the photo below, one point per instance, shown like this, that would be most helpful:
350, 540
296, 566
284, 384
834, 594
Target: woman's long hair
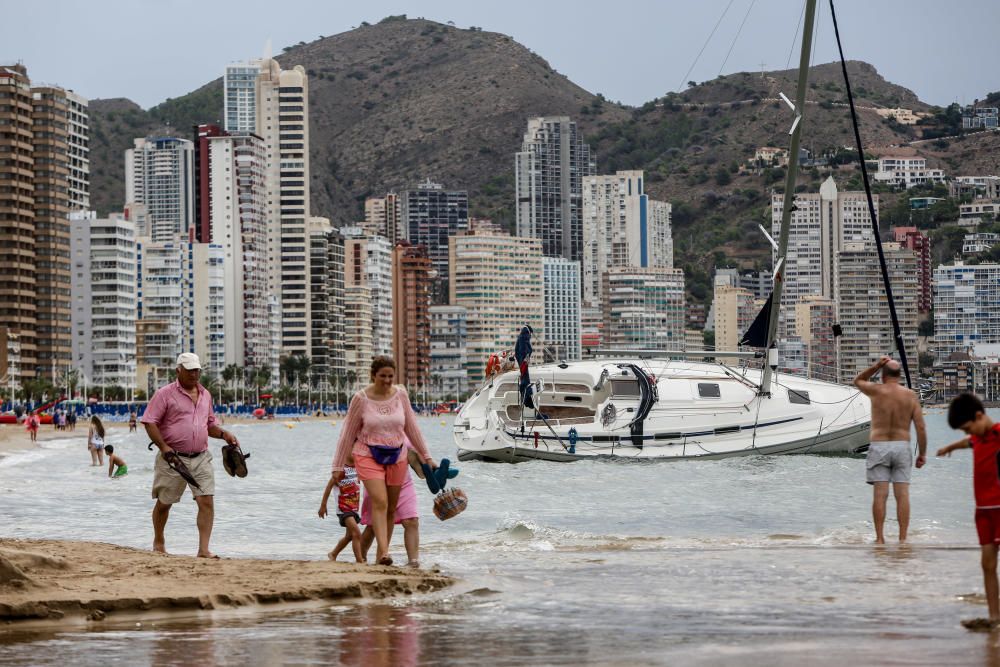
98, 426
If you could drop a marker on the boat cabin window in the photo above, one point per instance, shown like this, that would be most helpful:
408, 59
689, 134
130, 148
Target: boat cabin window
709, 390
626, 388
798, 396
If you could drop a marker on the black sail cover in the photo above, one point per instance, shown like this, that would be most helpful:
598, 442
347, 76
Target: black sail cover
756, 335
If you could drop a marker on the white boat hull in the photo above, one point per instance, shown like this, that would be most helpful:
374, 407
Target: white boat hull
683, 423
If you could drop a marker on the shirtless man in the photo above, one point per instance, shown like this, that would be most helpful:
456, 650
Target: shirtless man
890, 459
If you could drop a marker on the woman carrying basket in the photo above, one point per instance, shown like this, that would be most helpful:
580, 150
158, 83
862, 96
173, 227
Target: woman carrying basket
379, 419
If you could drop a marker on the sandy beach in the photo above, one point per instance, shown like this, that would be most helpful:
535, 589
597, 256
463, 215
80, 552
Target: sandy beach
46, 582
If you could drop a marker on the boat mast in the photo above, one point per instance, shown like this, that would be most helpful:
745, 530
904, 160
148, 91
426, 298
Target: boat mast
789, 200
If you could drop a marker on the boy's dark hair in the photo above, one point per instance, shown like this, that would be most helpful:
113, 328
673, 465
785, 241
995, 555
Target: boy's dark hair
963, 409
109, 449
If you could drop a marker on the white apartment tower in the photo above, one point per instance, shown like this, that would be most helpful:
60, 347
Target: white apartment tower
821, 226
561, 279
368, 263
159, 175
644, 309
279, 109
237, 207
622, 227
966, 307
104, 299
79, 152
548, 173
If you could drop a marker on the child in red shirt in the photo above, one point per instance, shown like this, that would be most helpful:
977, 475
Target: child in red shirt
348, 505
966, 413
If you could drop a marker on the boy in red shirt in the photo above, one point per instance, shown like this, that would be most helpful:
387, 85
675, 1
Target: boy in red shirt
966, 413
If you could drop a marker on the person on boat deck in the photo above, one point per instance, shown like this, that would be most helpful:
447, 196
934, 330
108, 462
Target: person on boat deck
379, 419
890, 460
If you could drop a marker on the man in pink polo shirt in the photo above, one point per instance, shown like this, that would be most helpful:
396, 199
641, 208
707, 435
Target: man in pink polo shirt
179, 420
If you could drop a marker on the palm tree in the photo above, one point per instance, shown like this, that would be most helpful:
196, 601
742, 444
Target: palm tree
229, 374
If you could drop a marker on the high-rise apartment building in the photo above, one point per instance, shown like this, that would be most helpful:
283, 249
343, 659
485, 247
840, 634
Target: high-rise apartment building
384, 217
920, 244
966, 307
821, 226
79, 152
326, 265
159, 175
163, 298
561, 283
206, 312
644, 309
18, 314
431, 215
814, 320
498, 280
368, 263
449, 338
863, 309
104, 303
733, 309
548, 174
230, 212
412, 272
358, 352
279, 109
622, 227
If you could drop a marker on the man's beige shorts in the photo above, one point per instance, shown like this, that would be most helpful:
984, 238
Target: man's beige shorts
168, 486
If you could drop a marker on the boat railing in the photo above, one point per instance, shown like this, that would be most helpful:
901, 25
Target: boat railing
676, 354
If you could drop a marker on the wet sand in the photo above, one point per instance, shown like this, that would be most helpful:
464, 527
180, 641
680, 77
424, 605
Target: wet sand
60, 582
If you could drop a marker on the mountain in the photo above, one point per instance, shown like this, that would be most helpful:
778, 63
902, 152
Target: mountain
397, 102
391, 104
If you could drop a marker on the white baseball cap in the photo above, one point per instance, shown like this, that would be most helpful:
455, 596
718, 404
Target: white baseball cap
189, 360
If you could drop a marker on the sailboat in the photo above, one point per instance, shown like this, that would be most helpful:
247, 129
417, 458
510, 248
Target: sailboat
648, 404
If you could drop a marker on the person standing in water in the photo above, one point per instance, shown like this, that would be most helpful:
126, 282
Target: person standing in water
890, 460
379, 419
95, 441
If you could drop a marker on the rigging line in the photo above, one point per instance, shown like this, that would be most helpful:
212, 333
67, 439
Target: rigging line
795, 37
897, 333
738, 31
697, 57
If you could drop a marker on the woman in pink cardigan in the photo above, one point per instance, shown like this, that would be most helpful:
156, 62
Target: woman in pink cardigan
378, 418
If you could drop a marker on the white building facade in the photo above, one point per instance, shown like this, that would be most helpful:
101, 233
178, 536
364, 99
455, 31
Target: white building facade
966, 307
103, 255
561, 279
159, 175
449, 338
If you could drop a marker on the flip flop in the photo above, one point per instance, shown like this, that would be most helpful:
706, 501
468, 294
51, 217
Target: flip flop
438, 479
385, 560
414, 460
175, 463
234, 460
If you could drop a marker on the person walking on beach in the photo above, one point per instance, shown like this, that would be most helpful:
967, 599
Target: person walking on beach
407, 514
179, 420
348, 501
131, 421
378, 420
31, 424
966, 413
894, 408
95, 441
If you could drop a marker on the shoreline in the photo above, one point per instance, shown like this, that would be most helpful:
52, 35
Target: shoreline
59, 582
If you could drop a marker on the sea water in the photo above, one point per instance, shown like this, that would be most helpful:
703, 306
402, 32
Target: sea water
756, 560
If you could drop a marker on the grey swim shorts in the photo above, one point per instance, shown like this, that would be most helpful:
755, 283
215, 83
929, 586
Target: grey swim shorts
889, 461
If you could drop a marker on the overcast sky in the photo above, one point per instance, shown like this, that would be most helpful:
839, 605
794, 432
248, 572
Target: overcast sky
629, 50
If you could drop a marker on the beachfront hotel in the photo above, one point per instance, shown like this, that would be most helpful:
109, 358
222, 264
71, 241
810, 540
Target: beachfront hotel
497, 278
966, 307
44, 175
448, 358
326, 266
548, 174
